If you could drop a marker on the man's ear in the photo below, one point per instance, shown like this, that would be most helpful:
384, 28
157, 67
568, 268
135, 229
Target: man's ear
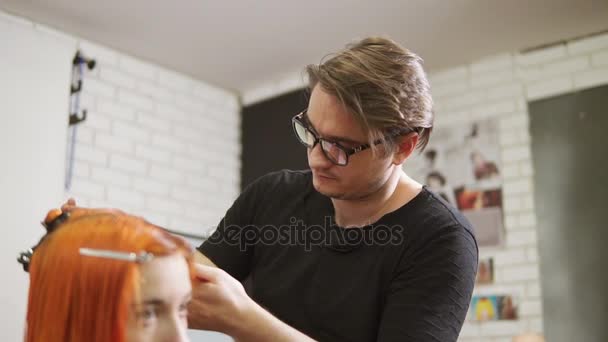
405, 146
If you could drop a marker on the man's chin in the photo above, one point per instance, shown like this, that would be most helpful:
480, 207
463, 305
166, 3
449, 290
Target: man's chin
326, 190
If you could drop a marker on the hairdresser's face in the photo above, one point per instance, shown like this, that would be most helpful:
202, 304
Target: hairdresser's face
161, 315
364, 174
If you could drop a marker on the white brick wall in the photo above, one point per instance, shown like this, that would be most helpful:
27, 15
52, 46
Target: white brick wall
156, 143
500, 86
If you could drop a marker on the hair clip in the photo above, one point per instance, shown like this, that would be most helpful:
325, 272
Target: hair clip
24, 259
126, 256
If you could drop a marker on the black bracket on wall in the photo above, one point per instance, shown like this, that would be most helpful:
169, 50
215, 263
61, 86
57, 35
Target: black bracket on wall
76, 87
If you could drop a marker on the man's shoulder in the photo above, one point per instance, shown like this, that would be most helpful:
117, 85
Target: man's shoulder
430, 215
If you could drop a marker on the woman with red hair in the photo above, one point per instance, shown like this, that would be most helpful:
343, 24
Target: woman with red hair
103, 275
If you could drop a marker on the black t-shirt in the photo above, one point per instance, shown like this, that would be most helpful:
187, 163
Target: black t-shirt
408, 277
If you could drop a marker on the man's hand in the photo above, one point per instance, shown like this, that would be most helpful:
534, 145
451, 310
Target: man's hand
219, 302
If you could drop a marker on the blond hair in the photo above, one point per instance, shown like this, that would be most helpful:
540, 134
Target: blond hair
383, 85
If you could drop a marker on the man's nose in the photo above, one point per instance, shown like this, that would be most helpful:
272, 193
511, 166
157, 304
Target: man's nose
317, 159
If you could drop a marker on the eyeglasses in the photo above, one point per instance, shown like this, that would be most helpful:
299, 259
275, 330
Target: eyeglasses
336, 153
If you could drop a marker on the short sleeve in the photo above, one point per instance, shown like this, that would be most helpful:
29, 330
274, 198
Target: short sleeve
231, 246
430, 293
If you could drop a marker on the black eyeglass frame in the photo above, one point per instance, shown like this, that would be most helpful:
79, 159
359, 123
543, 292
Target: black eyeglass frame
298, 119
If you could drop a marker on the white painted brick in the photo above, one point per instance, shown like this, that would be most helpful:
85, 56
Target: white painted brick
137, 67
530, 307
166, 174
87, 153
127, 164
512, 204
449, 75
186, 194
503, 61
444, 89
527, 220
599, 58
521, 273
527, 202
532, 254
517, 121
525, 167
189, 133
510, 171
135, 100
130, 131
592, 78
510, 137
226, 117
491, 78
449, 117
152, 154
186, 226
116, 77
511, 256
493, 109
150, 186
191, 104
510, 90
84, 134
81, 170
223, 173
164, 205
517, 186
571, 65
119, 196
588, 44
548, 88
114, 143
88, 101
172, 113
203, 183
152, 122
205, 123
100, 53
86, 188
502, 328
536, 325
469, 330
541, 56
201, 214
169, 143
518, 238
528, 73
155, 92
116, 110
107, 176
533, 290
98, 121
516, 153
175, 81
188, 164
98, 88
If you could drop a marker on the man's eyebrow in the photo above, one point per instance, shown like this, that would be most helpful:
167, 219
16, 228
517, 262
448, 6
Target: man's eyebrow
330, 137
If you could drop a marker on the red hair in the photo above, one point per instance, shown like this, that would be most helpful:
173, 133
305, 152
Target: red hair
83, 298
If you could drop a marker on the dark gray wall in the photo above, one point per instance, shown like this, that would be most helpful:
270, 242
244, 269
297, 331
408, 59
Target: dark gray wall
570, 158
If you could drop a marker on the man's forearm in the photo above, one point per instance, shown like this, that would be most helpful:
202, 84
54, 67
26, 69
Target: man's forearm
257, 324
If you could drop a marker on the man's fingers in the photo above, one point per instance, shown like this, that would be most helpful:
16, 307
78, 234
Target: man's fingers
70, 204
206, 273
